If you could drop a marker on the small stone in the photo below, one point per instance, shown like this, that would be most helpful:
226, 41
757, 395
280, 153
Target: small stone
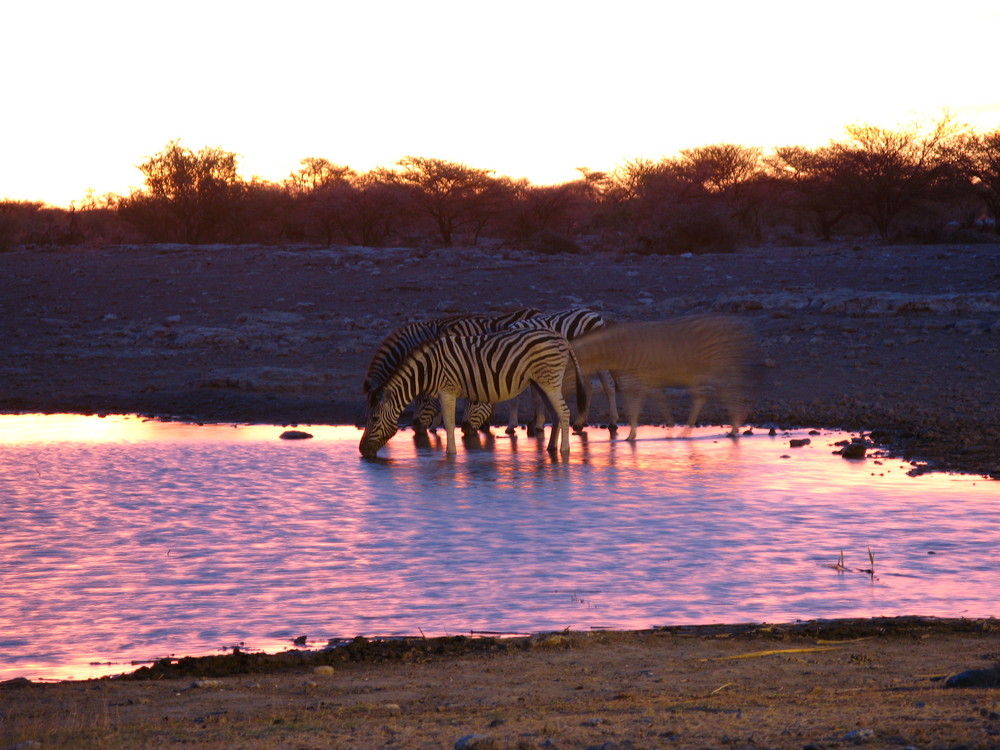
324, 669
854, 450
798, 442
475, 742
859, 735
295, 435
198, 684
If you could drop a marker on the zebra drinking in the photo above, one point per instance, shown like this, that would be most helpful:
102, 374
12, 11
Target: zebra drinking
572, 324
701, 353
487, 368
403, 340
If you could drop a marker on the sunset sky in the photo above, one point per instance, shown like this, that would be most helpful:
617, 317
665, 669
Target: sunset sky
529, 89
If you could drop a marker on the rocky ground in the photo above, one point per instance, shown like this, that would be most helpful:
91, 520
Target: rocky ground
903, 341
884, 683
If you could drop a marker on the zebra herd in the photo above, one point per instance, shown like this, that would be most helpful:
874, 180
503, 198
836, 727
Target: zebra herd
489, 358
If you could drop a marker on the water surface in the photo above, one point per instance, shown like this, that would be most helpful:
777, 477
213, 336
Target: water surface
123, 540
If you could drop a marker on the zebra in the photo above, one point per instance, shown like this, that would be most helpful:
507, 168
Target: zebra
572, 324
403, 340
487, 368
700, 353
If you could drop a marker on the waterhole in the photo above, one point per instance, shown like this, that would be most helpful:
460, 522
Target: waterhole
124, 540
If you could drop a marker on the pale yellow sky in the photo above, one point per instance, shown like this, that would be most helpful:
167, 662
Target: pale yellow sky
529, 89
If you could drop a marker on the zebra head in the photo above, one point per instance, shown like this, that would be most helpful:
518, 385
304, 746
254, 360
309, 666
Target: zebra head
382, 424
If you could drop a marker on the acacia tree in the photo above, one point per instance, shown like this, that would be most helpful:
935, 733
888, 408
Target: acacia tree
371, 208
315, 191
979, 156
191, 197
452, 194
721, 167
812, 191
883, 172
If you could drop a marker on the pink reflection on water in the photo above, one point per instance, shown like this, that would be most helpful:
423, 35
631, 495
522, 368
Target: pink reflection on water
125, 539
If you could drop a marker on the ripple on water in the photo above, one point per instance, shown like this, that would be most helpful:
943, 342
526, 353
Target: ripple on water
124, 539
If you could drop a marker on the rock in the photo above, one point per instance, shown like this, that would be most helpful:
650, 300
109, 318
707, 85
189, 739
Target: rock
854, 450
476, 742
295, 435
798, 442
859, 735
975, 678
201, 684
324, 669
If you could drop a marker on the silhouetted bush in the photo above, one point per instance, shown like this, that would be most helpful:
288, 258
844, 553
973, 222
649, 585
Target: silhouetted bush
703, 228
18, 220
549, 242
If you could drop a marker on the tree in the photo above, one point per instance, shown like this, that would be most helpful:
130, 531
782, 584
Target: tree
721, 167
370, 208
883, 172
316, 174
190, 197
315, 191
813, 192
729, 174
979, 156
452, 194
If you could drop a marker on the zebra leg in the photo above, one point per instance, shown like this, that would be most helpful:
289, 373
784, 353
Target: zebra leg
559, 411
697, 402
608, 386
581, 418
540, 404
448, 414
737, 408
561, 418
512, 420
635, 393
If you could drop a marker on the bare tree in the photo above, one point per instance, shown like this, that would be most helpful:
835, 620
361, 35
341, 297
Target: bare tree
884, 172
191, 197
979, 157
452, 194
721, 167
811, 189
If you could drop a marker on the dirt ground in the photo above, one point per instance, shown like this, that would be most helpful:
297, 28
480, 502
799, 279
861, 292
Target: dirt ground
872, 683
900, 342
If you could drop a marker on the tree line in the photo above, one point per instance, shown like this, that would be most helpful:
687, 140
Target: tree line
936, 182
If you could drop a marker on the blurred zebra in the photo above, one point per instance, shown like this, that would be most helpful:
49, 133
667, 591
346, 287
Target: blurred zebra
487, 368
403, 340
700, 353
572, 324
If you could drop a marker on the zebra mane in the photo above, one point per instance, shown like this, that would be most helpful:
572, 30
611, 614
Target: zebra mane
391, 352
401, 369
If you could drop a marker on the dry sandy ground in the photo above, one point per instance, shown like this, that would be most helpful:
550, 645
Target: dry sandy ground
900, 341
875, 683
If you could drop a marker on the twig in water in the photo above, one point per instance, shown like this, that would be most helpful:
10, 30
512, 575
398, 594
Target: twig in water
839, 567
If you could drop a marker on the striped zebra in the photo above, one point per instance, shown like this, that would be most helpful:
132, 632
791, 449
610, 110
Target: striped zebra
572, 324
403, 340
700, 353
487, 368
